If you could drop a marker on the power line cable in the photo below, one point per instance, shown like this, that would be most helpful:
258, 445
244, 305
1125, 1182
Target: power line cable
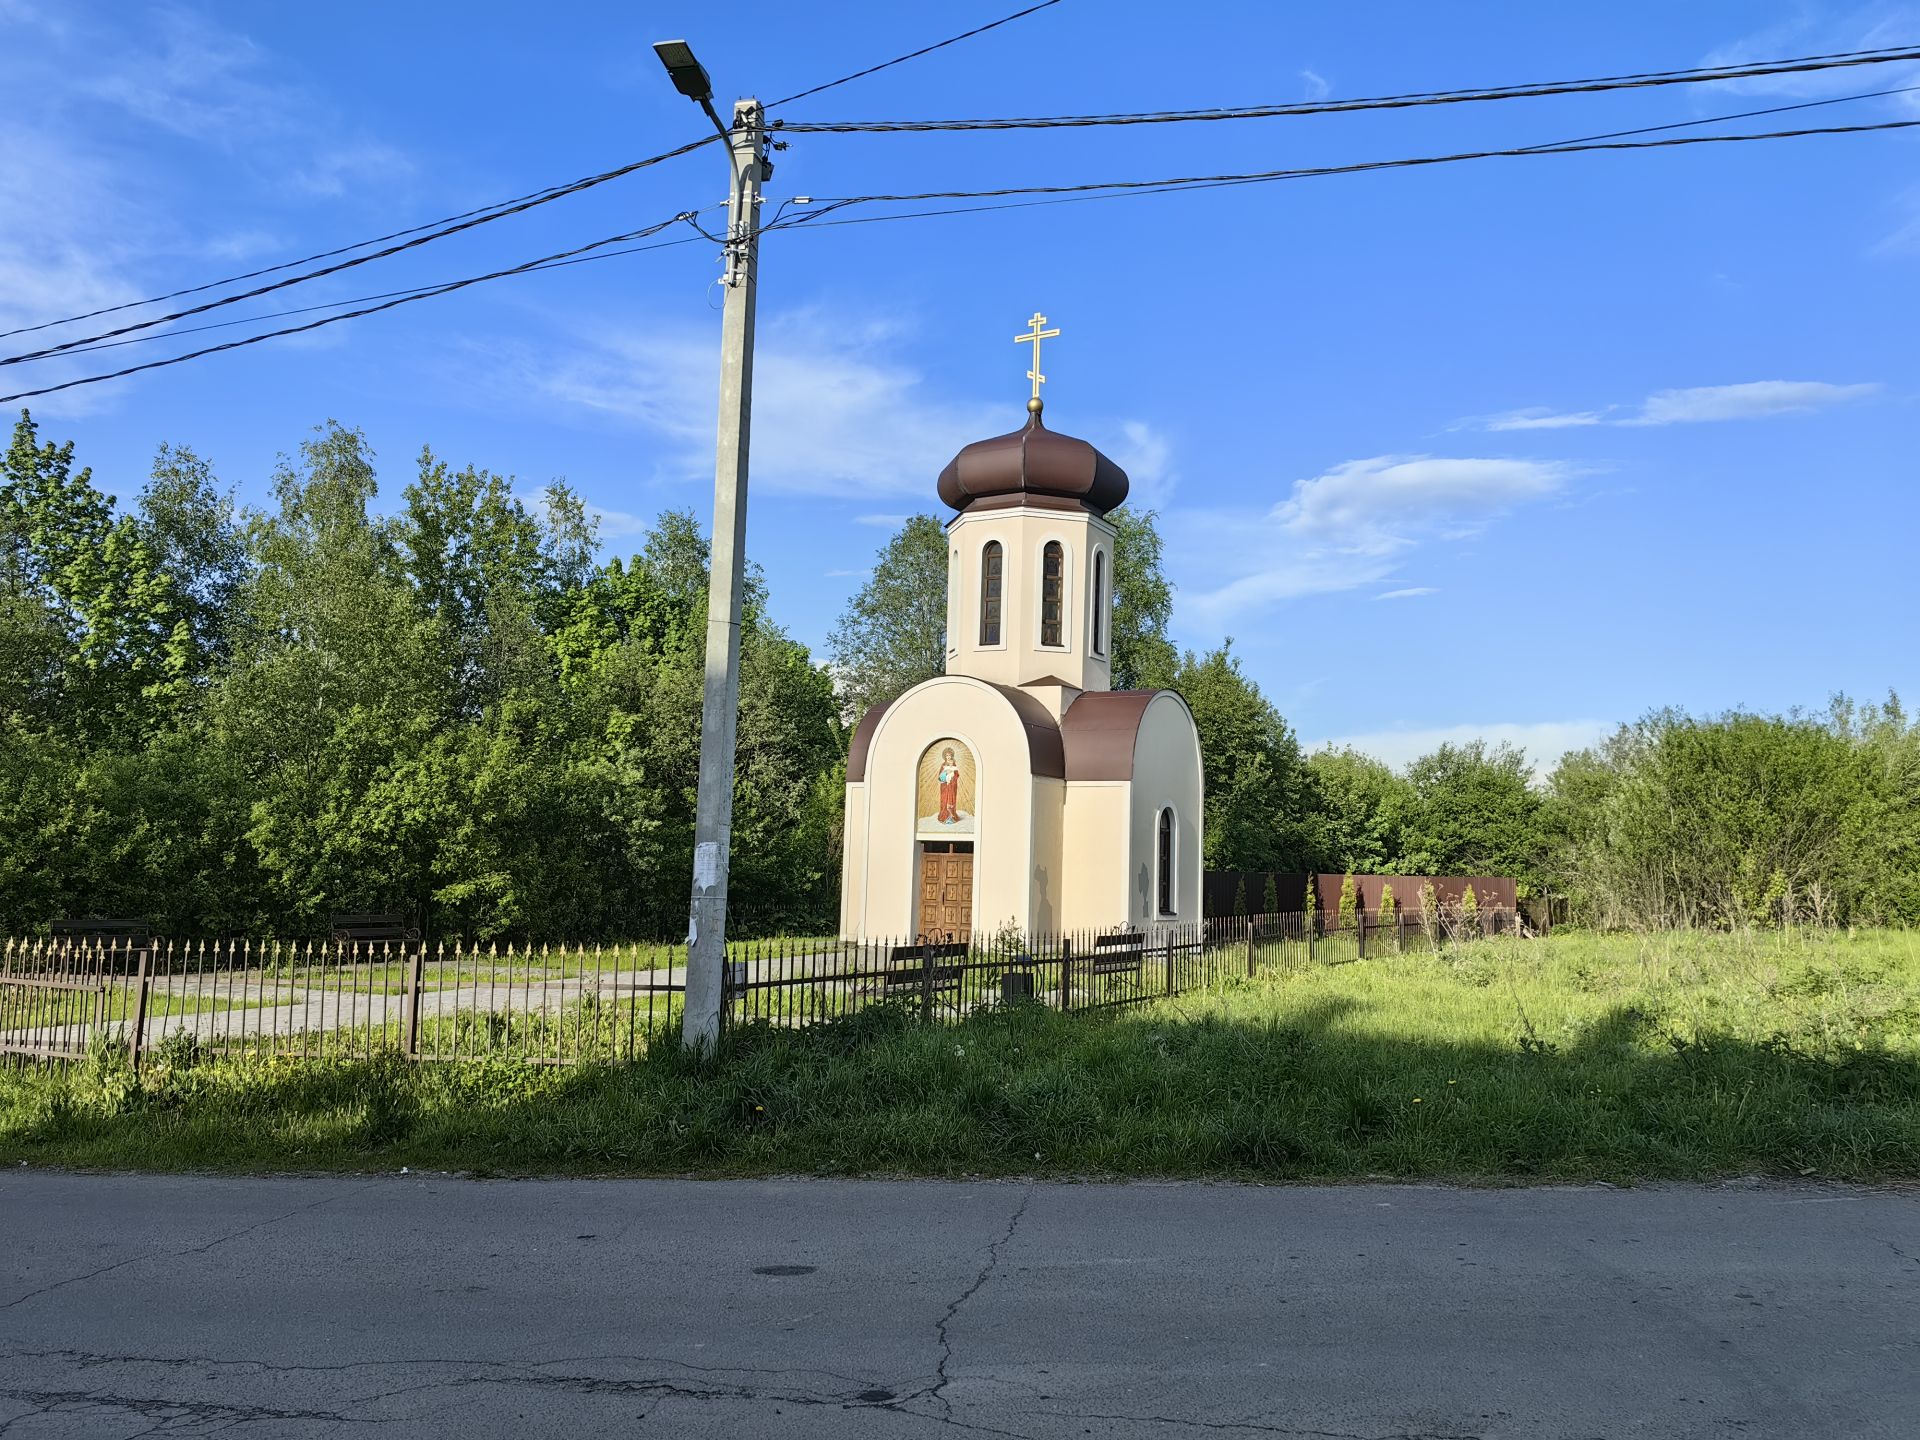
916, 54
504, 206
411, 290
1115, 189
419, 240
1722, 119
544, 262
1698, 75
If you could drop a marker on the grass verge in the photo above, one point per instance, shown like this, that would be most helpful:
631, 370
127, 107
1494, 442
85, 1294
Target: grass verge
1576, 1058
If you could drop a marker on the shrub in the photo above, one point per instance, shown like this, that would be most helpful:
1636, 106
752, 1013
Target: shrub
1349, 903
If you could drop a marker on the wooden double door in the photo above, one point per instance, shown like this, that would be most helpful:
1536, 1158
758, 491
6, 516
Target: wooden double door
946, 889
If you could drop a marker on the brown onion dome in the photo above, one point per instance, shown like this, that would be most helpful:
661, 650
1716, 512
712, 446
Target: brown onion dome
1033, 461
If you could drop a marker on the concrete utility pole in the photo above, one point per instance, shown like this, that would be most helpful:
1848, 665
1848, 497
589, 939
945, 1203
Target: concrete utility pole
720, 708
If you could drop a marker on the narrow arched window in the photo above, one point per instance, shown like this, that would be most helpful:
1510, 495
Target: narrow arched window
1099, 602
1053, 593
1166, 861
991, 581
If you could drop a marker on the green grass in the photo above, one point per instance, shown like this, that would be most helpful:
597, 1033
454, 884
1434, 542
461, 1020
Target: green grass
1576, 1058
115, 1002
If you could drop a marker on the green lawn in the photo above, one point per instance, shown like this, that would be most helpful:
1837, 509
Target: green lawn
1579, 1057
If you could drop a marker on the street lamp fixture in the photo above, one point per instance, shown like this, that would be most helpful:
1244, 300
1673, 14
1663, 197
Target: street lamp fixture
689, 76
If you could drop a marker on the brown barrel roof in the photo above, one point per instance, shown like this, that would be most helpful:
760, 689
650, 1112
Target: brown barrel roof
863, 740
1099, 730
1046, 755
1033, 461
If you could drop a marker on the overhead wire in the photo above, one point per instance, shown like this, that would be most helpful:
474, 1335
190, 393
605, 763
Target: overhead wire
916, 54
543, 262
503, 208
1114, 189
1697, 75
419, 240
419, 290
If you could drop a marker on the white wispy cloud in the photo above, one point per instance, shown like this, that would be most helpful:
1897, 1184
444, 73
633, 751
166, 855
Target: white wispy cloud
882, 522
82, 228
1388, 501
837, 410
1750, 400
1353, 526
1826, 29
1409, 593
1147, 456
1543, 741
1315, 85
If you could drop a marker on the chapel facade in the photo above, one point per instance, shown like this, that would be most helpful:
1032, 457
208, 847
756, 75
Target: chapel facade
1019, 788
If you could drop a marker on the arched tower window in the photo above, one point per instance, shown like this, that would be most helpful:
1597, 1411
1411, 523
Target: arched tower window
1099, 602
1165, 858
992, 579
1053, 593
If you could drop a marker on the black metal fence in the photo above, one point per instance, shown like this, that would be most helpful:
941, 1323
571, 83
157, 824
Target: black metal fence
61, 999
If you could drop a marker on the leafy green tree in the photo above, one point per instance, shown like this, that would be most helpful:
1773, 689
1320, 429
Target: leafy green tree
1360, 806
893, 633
1142, 655
1387, 904
1258, 798
1472, 811
1272, 897
1736, 819
193, 532
1349, 911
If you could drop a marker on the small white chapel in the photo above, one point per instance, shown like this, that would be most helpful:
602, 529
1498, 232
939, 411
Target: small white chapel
1019, 788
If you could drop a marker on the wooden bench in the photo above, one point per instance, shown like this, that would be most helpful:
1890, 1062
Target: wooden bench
907, 966
126, 941
372, 928
1117, 953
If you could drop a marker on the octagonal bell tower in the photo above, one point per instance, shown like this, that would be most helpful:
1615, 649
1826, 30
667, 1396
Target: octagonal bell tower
1030, 559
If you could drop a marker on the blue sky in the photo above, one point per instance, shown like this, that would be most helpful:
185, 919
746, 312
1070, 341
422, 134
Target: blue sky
1516, 448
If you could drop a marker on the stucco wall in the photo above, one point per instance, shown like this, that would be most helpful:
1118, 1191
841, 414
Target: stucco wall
1024, 532
1093, 868
1166, 771
853, 860
888, 892
1049, 832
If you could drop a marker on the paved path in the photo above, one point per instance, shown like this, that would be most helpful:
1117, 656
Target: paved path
415, 1306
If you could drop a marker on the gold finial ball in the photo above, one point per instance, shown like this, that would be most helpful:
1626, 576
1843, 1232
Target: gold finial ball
1035, 405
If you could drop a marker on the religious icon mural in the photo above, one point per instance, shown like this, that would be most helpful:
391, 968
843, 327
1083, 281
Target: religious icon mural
944, 791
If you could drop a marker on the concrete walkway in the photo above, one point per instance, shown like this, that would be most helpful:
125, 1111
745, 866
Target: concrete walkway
412, 1306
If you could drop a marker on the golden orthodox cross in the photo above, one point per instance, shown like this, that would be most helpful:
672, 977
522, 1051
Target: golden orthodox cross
1033, 337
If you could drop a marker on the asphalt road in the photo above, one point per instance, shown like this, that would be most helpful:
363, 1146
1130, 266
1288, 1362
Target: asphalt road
424, 1306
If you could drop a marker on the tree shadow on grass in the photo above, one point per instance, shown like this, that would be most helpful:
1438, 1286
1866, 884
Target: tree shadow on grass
1308, 1094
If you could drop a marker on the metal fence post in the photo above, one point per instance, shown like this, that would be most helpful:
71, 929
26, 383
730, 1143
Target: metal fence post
926, 983
1402, 918
1250, 947
1066, 973
416, 968
137, 1031
1361, 916
1307, 924
1169, 962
